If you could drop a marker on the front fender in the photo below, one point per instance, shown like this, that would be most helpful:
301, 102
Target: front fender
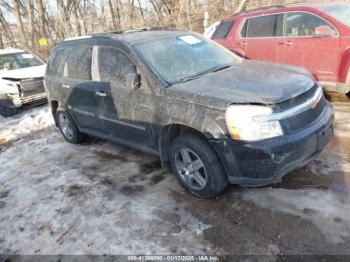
208, 121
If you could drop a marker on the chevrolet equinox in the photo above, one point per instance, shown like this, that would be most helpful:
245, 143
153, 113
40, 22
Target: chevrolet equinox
215, 117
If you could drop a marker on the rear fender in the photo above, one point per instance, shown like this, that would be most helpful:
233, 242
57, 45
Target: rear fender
343, 75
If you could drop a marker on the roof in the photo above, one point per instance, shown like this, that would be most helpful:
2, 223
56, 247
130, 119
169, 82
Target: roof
276, 8
10, 50
131, 36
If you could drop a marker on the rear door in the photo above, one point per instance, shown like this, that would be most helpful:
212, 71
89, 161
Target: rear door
299, 46
258, 38
79, 89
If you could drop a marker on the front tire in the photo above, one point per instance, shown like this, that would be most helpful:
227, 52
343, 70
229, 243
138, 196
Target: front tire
196, 166
6, 111
68, 128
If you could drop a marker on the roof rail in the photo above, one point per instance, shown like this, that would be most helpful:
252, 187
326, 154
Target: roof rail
108, 34
77, 38
267, 8
133, 30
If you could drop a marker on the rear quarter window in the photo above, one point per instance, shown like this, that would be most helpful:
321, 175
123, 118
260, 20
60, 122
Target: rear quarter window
56, 62
223, 29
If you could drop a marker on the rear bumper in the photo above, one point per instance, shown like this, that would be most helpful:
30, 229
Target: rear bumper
260, 163
335, 87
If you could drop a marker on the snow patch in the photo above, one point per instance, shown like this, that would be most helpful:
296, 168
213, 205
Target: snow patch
94, 198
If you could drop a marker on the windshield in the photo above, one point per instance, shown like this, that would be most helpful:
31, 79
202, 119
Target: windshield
182, 58
18, 61
340, 12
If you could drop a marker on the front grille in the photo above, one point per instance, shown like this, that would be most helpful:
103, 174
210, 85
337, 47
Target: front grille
304, 119
32, 86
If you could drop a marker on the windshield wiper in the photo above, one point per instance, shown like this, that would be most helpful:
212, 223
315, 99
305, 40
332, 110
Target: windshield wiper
186, 79
219, 68
212, 70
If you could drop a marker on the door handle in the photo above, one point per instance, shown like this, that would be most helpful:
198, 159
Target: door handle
101, 94
66, 86
286, 43
243, 44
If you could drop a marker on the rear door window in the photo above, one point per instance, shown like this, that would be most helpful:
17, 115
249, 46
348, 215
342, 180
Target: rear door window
263, 26
78, 63
223, 29
114, 66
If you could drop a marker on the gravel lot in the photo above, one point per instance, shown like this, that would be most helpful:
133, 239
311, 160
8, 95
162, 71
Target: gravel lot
100, 198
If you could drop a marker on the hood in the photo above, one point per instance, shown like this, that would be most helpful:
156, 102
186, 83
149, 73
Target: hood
248, 82
23, 73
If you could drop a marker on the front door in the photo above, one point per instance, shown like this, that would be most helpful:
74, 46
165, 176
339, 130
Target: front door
125, 113
301, 47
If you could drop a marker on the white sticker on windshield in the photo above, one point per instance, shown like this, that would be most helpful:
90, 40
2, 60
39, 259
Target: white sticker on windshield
190, 39
27, 56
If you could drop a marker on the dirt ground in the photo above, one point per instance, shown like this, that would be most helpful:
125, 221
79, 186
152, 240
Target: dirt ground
100, 198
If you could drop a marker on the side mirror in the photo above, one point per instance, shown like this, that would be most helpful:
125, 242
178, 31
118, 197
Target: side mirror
133, 81
324, 30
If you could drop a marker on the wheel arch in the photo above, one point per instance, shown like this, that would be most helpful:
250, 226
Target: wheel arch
344, 68
170, 131
54, 106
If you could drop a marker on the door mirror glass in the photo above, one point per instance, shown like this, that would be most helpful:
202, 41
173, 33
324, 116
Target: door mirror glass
133, 81
324, 30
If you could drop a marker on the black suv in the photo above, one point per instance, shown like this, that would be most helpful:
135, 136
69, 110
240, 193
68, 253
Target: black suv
215, 117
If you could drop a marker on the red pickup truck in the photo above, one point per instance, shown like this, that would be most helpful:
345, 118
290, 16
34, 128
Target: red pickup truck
315, 36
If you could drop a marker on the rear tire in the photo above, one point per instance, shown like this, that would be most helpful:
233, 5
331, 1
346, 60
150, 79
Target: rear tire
68, 128
6, 111
196, 166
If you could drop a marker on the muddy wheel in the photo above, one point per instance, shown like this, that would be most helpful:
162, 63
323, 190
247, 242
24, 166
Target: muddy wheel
7, 111
196, 166
68, 128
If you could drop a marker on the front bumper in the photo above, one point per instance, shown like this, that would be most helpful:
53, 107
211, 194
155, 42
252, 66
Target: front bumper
14, 101
261, 163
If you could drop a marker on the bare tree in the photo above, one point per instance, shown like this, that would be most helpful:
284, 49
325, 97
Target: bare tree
1, 41
30, 19
110, 4
41, 17
242, 5
19, 22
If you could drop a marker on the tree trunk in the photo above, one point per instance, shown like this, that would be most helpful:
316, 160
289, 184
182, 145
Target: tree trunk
131, 22
1, 42
118, 14
41, 14
77, 20
141, 11
242, 5
7, 33
19, 22
29, 7
112, 14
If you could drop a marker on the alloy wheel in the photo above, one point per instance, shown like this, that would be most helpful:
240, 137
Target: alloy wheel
191, 169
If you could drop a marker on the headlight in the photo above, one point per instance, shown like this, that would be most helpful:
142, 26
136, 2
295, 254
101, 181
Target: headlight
244, 124
7, 87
